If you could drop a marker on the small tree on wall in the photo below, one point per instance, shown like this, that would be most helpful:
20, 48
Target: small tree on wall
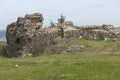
60, 23
61, 20
52, 24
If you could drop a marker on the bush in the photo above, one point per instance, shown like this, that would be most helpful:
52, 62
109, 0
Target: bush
52, 24
38, 44
61, 20
2, 48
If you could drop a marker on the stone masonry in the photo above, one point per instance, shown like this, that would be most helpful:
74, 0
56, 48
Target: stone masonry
26, 37
23, 34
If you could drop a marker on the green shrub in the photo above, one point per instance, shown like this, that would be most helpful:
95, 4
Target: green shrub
61, 20
2, 48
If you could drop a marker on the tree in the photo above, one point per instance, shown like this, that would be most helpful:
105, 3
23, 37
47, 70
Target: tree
52, 24
61, 20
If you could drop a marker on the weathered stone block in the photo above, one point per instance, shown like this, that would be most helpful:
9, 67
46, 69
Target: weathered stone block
23, 36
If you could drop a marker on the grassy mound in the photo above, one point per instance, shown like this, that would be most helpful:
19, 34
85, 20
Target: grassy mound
74, 45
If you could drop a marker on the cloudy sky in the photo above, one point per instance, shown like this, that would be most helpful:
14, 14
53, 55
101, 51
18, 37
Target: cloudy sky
81, 12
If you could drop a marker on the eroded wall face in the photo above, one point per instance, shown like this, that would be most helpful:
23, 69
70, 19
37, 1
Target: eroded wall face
25, 37
21, 34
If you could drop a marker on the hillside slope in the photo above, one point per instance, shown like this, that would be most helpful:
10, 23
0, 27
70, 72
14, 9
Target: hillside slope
2, 34
96, 60
73, 45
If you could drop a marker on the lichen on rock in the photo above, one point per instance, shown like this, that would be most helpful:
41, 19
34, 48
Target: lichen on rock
21, 35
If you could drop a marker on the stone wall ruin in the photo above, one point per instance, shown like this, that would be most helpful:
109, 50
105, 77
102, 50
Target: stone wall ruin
26, 37
23, 35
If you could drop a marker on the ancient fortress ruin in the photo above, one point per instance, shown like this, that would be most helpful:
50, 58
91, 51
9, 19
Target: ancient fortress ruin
26, 37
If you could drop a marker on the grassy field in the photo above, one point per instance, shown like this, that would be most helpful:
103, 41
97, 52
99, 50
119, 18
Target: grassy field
79, 66
102, 64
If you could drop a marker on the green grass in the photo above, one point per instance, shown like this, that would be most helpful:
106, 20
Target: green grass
94, 45
103, 64
78, 66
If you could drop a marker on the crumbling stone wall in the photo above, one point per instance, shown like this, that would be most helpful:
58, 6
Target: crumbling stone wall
95, 32
24, 36
104, 32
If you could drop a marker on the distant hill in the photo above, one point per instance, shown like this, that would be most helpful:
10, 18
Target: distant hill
2, 34
118, 27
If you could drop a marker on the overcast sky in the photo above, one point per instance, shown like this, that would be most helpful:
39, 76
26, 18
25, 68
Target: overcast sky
81, 12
